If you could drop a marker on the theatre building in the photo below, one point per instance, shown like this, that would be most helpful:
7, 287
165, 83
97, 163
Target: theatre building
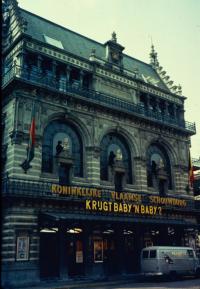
94, 155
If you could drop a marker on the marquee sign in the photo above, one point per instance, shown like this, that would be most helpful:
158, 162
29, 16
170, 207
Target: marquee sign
118, 202
105, 206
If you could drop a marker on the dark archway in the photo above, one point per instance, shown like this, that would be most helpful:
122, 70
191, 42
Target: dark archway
158, 168
56, 131
111, 146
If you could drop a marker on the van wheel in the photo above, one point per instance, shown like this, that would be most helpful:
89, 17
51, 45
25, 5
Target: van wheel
198, 273
173, 275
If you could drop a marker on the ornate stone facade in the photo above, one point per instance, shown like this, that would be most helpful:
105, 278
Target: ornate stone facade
105, 104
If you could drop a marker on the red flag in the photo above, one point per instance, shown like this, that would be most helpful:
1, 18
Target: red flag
31, 146
191, 171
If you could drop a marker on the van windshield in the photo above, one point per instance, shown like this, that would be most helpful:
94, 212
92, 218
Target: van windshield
145, 254
190, 253
152, 254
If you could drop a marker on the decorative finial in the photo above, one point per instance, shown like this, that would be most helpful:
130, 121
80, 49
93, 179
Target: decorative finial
114, 36
170, 83
136, 71
153, 57
92, 54
160, 68
163, 73
179, 90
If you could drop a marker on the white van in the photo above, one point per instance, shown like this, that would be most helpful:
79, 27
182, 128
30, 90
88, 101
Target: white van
164, 260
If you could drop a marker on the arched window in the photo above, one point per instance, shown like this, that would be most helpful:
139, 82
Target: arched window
114, 146
58, 131
158, 169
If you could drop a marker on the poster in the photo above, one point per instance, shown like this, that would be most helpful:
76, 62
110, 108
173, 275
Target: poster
22, 253
79, 251
98, 251
79, 256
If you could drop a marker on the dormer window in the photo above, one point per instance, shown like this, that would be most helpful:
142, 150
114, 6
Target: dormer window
115, 57
53, 42
114, 51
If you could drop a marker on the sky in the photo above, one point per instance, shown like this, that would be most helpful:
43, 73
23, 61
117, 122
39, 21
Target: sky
173, 26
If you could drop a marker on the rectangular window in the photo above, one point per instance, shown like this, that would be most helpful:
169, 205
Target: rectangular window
22, 252
98, 251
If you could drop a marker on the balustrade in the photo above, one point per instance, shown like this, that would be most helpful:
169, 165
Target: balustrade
34, 76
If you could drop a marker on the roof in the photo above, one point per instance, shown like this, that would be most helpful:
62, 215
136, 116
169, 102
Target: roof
109, 218
79, 45
166, 248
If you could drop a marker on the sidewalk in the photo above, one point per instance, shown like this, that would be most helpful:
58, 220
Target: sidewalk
71, 284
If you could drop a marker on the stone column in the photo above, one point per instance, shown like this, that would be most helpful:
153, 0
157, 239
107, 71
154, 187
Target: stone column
120, 249
157, 105
54, 65
140, 168
62, 257
19, 64
81, 78
175, 111
93, 164
87, 251
157, 108
148, 102
68, 71
39, 63
181, 114
139, 230
166, 110
20, 59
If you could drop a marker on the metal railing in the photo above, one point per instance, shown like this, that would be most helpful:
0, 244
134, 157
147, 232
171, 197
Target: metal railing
61, 85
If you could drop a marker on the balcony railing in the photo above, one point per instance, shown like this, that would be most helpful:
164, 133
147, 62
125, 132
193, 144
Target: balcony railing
21, 188
61, 85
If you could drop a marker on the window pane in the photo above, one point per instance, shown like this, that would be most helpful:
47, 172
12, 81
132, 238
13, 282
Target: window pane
145, 254
53, 41
152, 254
190, 253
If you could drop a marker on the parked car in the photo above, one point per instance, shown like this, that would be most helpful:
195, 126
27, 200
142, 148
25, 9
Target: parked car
166, 260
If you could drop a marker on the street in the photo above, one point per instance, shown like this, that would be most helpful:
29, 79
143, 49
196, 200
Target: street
181, 284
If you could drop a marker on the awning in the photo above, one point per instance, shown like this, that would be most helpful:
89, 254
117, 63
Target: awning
58, 217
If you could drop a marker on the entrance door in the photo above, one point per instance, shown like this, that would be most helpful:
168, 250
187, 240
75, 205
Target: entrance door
75, 259
130, 254
49, 265
110, 256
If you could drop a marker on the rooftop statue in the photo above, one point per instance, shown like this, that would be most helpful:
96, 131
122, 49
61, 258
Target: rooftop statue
114, 36
59, 147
